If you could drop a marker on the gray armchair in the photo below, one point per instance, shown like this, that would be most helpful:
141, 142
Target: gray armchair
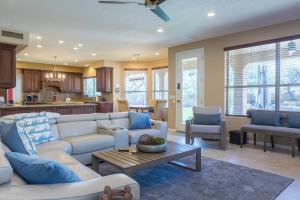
216, 132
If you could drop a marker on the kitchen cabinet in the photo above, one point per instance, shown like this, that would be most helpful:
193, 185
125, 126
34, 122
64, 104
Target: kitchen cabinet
67, 84
7, 66
104, 107
104, 77
32, 80
77, 83
62, 109
72, 83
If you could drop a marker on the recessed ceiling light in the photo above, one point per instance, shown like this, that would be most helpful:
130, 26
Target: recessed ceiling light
19, 59
38, 37
93, 54
76, 60
86, 65
26, 54
157, 53
39, 46
211, 14
75, 48
60, 41
80, 45
160, 30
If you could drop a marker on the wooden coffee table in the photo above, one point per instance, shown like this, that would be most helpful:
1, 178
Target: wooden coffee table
129, 161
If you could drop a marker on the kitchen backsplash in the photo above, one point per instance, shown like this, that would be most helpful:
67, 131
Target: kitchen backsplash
47, 93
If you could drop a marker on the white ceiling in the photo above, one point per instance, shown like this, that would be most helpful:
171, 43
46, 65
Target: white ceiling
117, 32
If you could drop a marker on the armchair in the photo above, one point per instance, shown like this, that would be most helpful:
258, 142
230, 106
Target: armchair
206, 130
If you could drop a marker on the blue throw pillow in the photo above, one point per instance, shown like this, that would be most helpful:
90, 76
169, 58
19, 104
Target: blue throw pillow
205, 119
267, 118
35, 170
16, 139
139, 120
293, 120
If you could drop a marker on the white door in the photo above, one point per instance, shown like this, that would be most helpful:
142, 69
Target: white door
189, 85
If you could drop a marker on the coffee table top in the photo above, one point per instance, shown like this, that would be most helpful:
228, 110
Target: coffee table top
134, 159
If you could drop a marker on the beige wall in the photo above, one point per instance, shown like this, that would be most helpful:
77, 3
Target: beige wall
41, 66
214, 63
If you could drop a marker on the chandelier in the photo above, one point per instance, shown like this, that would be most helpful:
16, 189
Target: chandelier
55, 75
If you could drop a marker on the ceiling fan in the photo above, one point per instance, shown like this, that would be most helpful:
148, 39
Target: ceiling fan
152, 5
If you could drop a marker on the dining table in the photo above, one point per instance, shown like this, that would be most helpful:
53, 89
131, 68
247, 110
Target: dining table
141, 108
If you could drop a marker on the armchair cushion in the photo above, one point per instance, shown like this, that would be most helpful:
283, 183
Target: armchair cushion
205, 119
205, 128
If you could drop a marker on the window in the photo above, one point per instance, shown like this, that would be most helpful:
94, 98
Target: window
263, 77
90, 89
136, 87
160, 83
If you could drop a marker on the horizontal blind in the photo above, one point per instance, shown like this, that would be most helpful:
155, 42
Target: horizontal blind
263, 77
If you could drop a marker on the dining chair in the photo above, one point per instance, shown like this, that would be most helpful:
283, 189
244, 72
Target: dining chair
123, 105
159, 106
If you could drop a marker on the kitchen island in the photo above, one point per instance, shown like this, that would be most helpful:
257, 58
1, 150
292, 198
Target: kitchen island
61, 108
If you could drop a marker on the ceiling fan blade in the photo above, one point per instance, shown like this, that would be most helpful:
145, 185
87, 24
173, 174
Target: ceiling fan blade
160, 13
121, 2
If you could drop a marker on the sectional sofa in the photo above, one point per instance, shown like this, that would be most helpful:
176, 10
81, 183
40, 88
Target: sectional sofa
77, 137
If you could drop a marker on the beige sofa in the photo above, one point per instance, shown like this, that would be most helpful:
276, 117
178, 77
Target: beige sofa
77, 137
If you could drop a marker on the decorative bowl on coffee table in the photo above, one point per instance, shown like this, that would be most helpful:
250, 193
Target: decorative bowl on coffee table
151, 148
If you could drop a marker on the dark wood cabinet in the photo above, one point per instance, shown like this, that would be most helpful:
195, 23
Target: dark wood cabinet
77, 83
7, 66
104, 107
62, 109
67, 84
32, 80
104, 77
72, 83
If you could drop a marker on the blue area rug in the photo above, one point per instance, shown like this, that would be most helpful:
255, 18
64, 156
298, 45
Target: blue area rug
218, 180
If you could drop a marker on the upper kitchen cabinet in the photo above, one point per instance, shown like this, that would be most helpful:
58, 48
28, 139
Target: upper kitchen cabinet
72, 83
32, 80
104, 77
67, 84
7, 66
77, 83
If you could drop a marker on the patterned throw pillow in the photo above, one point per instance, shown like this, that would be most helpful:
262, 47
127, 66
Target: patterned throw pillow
27, 143
36, 126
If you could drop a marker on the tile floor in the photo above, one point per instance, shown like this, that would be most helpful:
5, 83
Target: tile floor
275, 161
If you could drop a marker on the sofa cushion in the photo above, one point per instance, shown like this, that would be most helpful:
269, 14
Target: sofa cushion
205, 128
72, 129
35, 170
36, 125
293, 120
15, 137
55, 145
54, 131
6, 170
134, 135
90, 143
267, 118
139, 120
84, 173
76, 118
122, 122
205, 119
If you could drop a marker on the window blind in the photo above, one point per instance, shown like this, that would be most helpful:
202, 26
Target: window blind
263, 77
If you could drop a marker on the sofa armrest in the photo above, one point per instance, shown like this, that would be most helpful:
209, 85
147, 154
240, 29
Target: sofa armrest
162, 126
120, 137
86, 190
